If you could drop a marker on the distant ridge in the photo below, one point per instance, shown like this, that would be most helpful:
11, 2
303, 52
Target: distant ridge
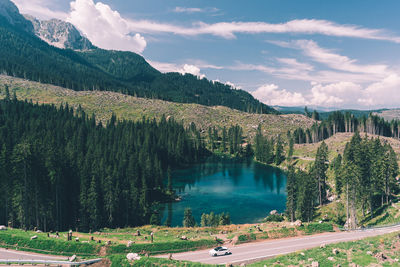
24, 55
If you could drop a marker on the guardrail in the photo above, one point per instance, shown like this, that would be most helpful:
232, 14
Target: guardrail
48, 262
370, 227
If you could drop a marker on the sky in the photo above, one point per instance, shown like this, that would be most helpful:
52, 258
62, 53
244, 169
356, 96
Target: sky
333, 54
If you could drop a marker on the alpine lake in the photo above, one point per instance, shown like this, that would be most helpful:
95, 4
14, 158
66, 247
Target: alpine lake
245, 189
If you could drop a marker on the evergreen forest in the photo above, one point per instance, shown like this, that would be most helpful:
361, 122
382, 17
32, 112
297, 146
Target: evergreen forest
59, 169
339, 122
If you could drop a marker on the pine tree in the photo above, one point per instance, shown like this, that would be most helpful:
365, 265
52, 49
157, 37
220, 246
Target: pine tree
290, 150
320, 171
169, 178
291, 190
188, 219
278, 158
336, 166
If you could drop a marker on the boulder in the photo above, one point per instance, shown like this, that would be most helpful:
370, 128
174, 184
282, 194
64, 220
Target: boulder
3, 227
322, 246
72, 258
77, 239
34, 237
39, 231
235, 239
302, 254
184, 237
331, 259
130, 243
335, 251
273, 212
369, 252
132, 257
315, 264
297, 223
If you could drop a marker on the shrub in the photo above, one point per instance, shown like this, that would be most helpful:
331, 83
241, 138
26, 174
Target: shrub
274, 218
312, 228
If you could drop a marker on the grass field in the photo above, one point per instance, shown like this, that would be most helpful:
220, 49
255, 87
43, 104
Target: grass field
305, 153
376, 251
165, 239
104, 104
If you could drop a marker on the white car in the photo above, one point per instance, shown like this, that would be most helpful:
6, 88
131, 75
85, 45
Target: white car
219, 251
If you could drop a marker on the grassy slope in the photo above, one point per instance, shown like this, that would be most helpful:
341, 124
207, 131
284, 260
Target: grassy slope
364, 252
336, 144
103, 104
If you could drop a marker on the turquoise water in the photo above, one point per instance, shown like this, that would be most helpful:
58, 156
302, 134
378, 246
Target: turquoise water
246, 189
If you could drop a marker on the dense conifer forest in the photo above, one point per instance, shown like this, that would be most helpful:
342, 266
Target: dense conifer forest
59, 169
364, 181
24, 55
339, 122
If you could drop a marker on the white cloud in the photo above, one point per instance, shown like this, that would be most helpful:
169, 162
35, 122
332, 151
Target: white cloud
334, 94
192, 69
104, 26
329, 95
39, 9
190, 10
103, 12
181, 68
304, 26
384, 93
292, 62
271, 95
336, 61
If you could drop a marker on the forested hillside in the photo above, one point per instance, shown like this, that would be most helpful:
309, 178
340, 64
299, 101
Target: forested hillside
364, 180
24, 55
339, 122
60, 171
125, 107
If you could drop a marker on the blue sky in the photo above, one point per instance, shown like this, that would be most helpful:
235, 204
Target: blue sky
337, 54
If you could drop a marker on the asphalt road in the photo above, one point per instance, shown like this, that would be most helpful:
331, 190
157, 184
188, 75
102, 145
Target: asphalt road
267, 249
8, 254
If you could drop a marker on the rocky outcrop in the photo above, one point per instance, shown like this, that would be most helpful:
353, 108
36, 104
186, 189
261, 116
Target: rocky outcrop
60, 34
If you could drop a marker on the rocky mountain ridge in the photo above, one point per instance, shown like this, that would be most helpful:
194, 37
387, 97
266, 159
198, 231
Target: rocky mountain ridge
60, 34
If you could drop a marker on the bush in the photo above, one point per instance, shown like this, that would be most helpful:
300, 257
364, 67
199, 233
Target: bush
313, 228
274, 218
246, 238
164, 247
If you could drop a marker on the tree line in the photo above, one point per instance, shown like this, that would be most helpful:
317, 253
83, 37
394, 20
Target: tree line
268, 150
229, 140
60, 169
339, 122
364, 181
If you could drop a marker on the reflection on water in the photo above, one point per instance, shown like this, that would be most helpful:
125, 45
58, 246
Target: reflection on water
244, 188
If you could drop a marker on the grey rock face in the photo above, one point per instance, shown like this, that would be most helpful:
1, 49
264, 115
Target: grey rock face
60, 34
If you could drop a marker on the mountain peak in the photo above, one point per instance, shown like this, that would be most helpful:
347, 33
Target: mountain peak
9, 11
60, 34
